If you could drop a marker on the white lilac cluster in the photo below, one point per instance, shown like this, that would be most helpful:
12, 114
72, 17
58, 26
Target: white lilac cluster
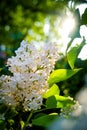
31, 68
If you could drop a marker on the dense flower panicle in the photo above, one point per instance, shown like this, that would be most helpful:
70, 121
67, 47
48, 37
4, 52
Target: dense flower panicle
31, 68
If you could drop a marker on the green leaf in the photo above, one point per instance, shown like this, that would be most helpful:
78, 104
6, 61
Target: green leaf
39, 115
61, 75
84, 18
52, 91
71, 56
57, 101
22, 124
45, 121
11, 121
51, 102
0, 69
2, 125
73, 53
69, 44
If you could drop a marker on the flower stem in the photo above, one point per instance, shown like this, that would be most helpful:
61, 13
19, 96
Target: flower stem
27, 123
29, 117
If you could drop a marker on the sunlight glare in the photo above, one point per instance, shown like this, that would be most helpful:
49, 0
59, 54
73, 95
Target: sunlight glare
46, 28
67, 27
82, 8
83, 53
83, 31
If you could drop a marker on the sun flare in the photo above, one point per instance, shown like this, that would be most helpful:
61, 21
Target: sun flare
67, 26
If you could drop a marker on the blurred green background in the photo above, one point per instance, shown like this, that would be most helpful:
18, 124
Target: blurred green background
27, 19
